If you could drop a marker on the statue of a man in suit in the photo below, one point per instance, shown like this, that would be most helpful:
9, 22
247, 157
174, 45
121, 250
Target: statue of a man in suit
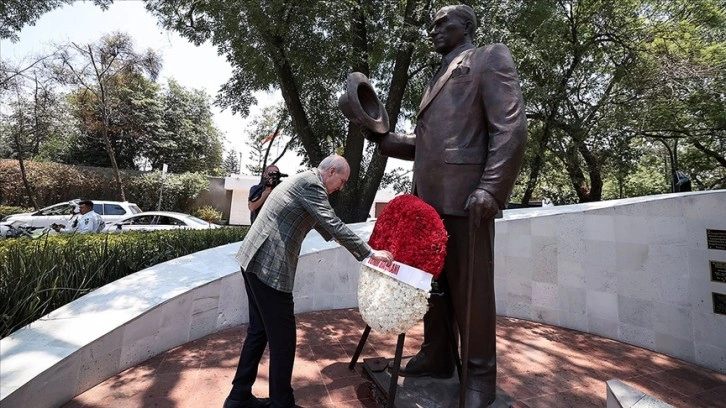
467, 149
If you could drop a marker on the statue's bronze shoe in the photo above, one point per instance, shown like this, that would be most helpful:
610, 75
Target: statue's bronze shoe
479, 399
420, 366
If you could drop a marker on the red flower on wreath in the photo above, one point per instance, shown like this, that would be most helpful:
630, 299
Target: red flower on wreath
414, 233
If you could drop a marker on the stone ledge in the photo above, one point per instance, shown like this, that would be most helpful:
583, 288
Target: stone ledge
621, 395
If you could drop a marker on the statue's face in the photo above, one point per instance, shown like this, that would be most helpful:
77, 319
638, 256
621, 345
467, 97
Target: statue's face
447, 32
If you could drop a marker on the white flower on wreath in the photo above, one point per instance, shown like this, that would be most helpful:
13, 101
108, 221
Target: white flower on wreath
388, 305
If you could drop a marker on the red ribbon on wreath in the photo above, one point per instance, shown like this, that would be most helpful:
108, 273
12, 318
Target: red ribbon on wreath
413, 232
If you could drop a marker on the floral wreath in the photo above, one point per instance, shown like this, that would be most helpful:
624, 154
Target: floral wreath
414, 233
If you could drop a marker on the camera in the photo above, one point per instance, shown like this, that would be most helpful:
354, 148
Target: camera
274, 178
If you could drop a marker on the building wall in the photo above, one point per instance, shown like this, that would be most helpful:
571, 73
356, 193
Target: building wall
217, 196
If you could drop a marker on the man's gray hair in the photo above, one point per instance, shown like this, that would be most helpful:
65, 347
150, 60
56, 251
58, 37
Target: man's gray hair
333, 161
465, 13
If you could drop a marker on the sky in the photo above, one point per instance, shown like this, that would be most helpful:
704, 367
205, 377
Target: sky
193, 67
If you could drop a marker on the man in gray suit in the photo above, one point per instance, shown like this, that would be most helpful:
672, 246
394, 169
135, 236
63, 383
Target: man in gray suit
467, 149
268, 258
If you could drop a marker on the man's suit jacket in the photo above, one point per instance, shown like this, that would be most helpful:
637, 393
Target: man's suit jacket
272, 245
470, 132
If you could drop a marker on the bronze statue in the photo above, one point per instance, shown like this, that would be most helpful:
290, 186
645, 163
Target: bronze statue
467, 149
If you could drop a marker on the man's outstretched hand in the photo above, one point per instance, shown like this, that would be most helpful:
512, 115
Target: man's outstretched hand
383, 256
481, 205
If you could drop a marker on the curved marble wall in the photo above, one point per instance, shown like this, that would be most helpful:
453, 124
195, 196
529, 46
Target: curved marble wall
635, 270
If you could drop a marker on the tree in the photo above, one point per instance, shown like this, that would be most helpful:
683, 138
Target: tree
135, 122
98, 69
269, 131
584, 67
683, 101
307, 54
32, 113
231, 163
189, 142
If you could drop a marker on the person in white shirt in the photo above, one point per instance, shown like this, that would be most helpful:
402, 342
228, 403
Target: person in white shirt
89, 222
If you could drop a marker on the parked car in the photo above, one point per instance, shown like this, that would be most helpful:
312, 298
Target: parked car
63, 213
158, 220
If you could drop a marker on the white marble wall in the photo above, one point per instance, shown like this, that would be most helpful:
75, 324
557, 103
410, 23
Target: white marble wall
635, 270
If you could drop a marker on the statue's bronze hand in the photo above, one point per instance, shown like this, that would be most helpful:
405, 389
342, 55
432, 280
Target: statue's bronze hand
371, 136
481, 205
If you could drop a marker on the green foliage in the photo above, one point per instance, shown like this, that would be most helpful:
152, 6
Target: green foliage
136, 118
59, 182
231, 163
307, 48
6, 210
54, 182
208, 213
39, 276
178, 193
187, 140
649, 176
142, 123
596, 76
399, 179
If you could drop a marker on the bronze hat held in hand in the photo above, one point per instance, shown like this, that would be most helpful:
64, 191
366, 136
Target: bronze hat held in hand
360, 104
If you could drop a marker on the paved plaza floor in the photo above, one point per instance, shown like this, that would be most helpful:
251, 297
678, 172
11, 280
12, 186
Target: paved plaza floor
539, 366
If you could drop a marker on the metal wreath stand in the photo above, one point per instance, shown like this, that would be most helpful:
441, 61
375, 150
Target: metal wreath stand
393, 385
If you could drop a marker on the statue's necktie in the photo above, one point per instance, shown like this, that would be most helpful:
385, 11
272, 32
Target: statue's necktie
442, 68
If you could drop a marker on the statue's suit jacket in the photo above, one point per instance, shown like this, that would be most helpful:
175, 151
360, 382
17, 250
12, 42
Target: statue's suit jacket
272, 245
470, 132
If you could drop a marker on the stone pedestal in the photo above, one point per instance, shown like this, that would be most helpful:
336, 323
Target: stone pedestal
422, 391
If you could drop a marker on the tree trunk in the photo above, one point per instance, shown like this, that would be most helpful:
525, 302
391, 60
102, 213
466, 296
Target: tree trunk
577, 177
348, 203
112, 157
23, 173
293, 102
594, 172
537, 164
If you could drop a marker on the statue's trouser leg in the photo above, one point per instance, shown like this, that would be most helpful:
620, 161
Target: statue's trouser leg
482, 364
435, 358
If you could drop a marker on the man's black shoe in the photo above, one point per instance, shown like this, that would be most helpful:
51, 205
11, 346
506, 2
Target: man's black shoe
252, 402
419, 366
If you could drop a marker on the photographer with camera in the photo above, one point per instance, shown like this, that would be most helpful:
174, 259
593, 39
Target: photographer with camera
89, 222
271, 177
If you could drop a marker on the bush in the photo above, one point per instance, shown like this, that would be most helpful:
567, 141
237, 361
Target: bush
6, 210
98, 183
208, 213
178, 194
39, 276
54, 182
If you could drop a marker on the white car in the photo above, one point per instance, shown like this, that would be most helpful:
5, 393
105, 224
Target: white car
157, 221
64, 213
